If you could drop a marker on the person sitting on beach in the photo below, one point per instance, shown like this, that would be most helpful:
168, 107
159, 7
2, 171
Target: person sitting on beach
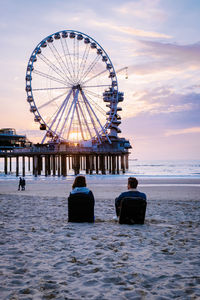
132, 192
79, 186
80, 202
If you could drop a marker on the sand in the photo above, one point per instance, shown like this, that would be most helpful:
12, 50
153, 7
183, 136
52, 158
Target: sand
45, 257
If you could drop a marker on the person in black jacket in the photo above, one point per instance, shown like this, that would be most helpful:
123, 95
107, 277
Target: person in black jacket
80, 202
132, 192
79, 186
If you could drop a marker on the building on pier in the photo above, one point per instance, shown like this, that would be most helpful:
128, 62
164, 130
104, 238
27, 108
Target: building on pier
10, 140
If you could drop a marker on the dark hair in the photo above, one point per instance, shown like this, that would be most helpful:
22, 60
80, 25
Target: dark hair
79, 181
132, 181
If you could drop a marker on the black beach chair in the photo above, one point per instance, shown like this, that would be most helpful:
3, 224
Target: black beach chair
80, 208
132, 211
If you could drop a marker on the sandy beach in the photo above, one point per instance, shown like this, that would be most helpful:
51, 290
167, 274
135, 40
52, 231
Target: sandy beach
45, 257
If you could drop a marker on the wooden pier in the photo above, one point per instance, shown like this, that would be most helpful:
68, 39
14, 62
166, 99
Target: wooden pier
56, 162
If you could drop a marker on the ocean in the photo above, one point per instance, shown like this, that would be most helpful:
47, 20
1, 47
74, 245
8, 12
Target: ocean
137, 168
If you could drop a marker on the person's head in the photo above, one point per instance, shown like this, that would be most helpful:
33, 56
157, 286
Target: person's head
132, 183
79, 182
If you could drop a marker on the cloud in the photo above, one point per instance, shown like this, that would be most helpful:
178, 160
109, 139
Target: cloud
159, 57
182, 131
130, 30
144, 10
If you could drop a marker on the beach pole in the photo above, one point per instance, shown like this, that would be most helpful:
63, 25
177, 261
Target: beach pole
23, 166
5, 165
91, 164
126, 160
87, 164
107, 162
35, 165
117, 164
39, 164
17, 166
122, 163
113, 164
97, 165
45, 165
49, 164
110, 164
10, 164
58, 158
54, 165
29, 163
102, 164
63, 165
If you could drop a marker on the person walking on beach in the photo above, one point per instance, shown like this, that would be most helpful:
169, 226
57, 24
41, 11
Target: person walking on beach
23, 184
132, 192
20, 184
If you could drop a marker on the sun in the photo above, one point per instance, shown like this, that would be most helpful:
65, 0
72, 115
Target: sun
75, 136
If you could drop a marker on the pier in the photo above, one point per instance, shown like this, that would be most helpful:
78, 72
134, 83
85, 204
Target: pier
58, 161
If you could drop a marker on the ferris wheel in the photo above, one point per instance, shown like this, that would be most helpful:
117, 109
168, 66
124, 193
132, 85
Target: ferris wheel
72, 89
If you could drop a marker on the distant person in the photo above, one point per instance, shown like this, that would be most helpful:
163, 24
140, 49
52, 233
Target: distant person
132, 192
23, 184
20, 184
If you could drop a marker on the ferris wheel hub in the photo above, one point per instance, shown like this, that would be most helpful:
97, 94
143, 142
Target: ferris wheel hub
77, 87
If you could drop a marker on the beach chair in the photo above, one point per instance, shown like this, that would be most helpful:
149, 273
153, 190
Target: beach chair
80, 208
132, 210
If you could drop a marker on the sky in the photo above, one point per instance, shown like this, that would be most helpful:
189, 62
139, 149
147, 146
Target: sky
157, 40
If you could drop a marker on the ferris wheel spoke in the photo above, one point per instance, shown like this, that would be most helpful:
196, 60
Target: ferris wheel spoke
59, 59
79, 120
58, 112
90, 115
91, 66
66, 118
72, 116
74, 58
53, 88
85, 121
98, 107
52, 100
103, 130
93, 93
65, 55
95, 76
95, 86
77, 56
84, 60
48, 76
52, 65
70, 59
63, 110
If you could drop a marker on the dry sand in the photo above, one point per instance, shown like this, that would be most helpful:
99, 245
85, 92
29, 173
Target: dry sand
45, 257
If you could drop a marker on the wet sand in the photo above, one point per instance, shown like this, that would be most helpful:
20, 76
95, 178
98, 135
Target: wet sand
45, 257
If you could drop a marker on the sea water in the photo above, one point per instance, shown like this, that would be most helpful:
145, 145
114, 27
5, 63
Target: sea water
137, 168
